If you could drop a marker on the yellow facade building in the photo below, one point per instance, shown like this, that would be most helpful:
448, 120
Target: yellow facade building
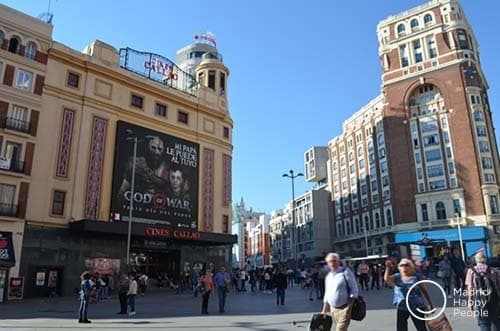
95, 107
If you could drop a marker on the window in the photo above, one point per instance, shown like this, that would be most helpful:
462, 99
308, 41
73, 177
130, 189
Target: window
429, 125
487, 163
417, 47
352, 169
225, 132
30, 51
377, 220
73, 79
364, 189
361, 164
344, 173
385, 181
431, 140
481, 131
448, 152
414, 23
435, 171
222, 83
494, 204
14, 44
182, 117
478, 116
337, 189
381, 153
457, 207
383, 167
484, 147
431, 46
444, 122
473, 99
58, 203
7, 195
344, 185
446, 137
24, 80
211, 79
18, 119
353, 181
381, 140
420, 173
356, 223
489, 178
137, 101
360, 151
441, 211
370, 146
389, 217
451, 168
421, 187
374, 185
359, 137
225, 224
434, 155
403, 54
201, 78
427, 19
367, 223
351, 156
418, 159
160, 110
437, 185
334, 165
342, 161
425, 213
401, 29
462, 39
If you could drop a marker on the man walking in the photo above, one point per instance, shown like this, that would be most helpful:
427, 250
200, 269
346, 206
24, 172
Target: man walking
280, 281
85, 293
123, 286
363, 274
221, 280
458, 267
340, 291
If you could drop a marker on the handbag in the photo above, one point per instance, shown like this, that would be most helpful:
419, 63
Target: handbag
440, 323
320, 322
358, 309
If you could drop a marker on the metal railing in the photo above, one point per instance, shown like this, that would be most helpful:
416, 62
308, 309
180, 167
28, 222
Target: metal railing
9, 210
15, 166
17, 125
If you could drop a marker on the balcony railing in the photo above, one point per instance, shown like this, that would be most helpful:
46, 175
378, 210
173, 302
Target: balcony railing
8, 210
12, 165
17, 125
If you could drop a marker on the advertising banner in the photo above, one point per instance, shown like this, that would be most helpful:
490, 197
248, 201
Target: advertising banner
7, 257
103, 266
16, 288
166, 177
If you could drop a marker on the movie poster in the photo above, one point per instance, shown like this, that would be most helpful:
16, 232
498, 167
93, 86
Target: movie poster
166, 177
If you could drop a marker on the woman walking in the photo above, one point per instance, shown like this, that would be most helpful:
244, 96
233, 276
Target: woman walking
402, 282
206, 287
444, 272
131, 294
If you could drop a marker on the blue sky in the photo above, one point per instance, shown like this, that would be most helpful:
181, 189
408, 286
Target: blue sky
297, 71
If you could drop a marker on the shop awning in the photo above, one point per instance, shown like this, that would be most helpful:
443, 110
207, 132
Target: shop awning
153, 231
7, 256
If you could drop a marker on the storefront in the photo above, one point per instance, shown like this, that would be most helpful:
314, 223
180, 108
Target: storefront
7, 261
435, 243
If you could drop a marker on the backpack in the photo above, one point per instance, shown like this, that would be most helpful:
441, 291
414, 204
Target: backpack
484, 286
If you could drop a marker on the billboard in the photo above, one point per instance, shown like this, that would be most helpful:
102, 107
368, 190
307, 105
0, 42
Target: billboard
103, 266
166, 177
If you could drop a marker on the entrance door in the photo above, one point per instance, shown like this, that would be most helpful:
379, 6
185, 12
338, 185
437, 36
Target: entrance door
153, 263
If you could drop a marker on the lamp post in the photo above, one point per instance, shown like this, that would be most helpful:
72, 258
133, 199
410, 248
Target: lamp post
131, 204
460, 236
292, 176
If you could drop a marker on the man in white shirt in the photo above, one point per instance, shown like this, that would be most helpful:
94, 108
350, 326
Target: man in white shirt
340, 291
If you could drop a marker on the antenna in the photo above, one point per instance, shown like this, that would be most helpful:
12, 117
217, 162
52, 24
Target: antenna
47, 16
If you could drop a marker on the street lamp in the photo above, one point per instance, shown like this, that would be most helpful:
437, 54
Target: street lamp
292, 176
135, 140
457, 215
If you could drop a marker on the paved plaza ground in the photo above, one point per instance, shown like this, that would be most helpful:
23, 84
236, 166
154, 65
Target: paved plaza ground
168, 311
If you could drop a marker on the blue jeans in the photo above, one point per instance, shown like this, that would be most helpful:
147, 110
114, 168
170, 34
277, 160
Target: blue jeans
84, 305
221, 292
280, 296
131, 302
490, 323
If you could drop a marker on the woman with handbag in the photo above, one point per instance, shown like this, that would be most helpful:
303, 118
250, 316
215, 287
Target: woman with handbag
402, 282
444, 272
206, 286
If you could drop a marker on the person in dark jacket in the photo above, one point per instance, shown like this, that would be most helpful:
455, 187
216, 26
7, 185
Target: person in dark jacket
280, 282
123, 286
85, 293
458, 267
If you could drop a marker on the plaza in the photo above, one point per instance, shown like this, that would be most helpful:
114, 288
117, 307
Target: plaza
168, 311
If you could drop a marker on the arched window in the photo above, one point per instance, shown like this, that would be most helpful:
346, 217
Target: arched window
414, 23
377, 220
14, 44
389, 217
342, 161
360, 151
380, 140
30, 51
401, 28
478, 116
427, 19
334, 165
351, 156
356, 222
440, 211
370, 146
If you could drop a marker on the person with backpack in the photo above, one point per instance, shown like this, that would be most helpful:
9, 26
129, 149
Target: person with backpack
483, 284
85, 294
341, 290
402, 282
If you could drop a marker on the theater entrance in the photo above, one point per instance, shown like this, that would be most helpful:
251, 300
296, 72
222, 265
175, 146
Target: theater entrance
152, 263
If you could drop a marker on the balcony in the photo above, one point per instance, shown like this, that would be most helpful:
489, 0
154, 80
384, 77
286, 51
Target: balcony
17, 125
11, 165
8, 210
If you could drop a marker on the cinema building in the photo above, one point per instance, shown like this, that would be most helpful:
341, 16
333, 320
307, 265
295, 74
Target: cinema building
92, 108
421, 157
